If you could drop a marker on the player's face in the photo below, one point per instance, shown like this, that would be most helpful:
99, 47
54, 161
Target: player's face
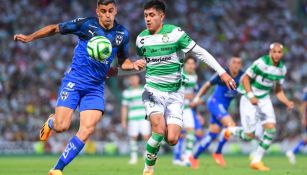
190, 66
106, 15
134, 81
153, 19
235, 64
276, 53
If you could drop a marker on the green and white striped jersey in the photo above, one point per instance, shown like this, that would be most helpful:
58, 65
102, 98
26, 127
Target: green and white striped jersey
264, 75
189, 86
132, 98
164, 53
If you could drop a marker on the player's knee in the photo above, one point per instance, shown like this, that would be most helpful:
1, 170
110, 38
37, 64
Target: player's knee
159, 129
172, 140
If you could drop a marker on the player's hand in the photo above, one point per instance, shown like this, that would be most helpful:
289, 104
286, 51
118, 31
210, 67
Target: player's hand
192, 104
113, 71
139, 64
290, 105
254, 101
23, 38
230, 83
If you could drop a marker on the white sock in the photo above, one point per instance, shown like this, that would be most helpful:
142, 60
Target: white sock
258, 154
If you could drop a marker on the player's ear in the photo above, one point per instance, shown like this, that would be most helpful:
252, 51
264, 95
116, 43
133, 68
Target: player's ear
97, 12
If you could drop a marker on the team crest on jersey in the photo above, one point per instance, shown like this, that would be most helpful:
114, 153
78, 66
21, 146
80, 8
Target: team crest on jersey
165, 38
119, 39
64, 95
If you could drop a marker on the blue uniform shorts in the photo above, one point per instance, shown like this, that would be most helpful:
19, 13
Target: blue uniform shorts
217, 110
72, 94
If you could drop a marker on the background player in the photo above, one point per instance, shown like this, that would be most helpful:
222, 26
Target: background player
218, 104
255, 105
191, 124
164, 47
303, 142
83, 84
133, 112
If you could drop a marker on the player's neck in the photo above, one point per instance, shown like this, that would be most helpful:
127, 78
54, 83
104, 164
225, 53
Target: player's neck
233, 73
157, 31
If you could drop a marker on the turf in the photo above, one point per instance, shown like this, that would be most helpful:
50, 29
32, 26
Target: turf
101, 165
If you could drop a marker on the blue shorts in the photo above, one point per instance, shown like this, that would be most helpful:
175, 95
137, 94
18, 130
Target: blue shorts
197, 125
72, 94
217, 110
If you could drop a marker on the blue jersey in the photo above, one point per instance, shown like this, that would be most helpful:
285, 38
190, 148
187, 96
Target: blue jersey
84, 69
221, 93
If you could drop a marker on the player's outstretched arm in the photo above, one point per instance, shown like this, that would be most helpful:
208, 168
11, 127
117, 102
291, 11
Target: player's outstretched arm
205, 56
203, 90
136, 65
41, 33
279, 92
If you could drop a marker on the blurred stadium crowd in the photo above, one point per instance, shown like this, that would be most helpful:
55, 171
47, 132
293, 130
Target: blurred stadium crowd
31, 73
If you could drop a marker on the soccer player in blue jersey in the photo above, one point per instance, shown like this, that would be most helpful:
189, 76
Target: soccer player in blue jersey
83, 83
303, 142
217, 104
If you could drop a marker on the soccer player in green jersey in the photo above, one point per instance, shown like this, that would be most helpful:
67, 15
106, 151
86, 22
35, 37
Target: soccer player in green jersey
164, 47
260, 78
133, 116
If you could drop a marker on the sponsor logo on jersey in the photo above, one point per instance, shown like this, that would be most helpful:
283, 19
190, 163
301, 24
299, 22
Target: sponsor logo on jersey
158, 60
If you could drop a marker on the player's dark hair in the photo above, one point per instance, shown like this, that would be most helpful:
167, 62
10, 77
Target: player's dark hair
189, 57
156, 4
105, 2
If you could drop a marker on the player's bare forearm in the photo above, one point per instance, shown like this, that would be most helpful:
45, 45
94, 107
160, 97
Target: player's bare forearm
246, 83
127, 65
41, 33
203, 90
189, 96
136, 65
279, 92
124, 112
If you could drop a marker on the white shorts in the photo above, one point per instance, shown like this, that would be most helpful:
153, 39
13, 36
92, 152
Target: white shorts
136, 127
252, 115
188, 118
170, 104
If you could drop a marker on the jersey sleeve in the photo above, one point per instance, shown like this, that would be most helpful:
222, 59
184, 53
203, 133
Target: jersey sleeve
282, 80
185, 43
214, 79
138, 47
125, 99
123, 52
71, 27
253, 70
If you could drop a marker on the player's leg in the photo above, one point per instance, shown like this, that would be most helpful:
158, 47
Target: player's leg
198, 126
67, 101
154, 106
133, 131
265, 109
214, 130
248, 119
226, 121
88, 121
158, 128
177, 150
291, 153
145, 130
188, 124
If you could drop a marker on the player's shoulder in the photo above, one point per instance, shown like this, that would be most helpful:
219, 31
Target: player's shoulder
121, 28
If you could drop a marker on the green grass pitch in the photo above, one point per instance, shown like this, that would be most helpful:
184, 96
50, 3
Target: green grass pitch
106, 165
